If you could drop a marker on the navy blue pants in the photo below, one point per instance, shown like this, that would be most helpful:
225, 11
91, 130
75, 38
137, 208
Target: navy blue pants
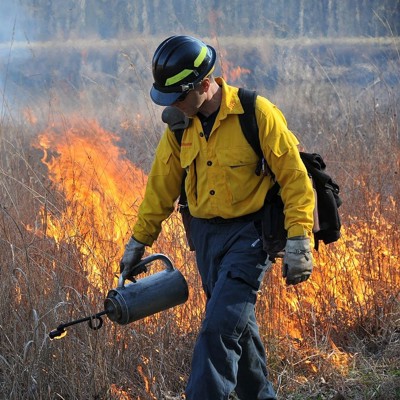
229, 354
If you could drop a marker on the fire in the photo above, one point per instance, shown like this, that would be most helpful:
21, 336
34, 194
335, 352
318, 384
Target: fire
229, 71
29, 116
119, 394
147, 382
101, 191
350, 277
233, 74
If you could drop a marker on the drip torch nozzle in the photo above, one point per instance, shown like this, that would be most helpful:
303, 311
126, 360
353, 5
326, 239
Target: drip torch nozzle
95, 322
57, 333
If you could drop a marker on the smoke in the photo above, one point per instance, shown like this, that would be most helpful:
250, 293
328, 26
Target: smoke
9, 32
13, 47
87, 50
11, 22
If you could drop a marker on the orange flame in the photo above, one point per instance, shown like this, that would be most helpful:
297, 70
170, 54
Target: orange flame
147, 382
101, 192
29, 116
119, 394
229, 72
233, 74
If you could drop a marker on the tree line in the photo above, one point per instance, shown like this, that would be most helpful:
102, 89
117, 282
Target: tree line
45, 20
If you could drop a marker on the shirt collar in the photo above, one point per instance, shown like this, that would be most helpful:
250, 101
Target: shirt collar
230, 103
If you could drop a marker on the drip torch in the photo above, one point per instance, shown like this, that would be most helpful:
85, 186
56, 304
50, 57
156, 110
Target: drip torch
138, 299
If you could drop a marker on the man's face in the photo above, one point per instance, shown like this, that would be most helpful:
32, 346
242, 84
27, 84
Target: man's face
192, 102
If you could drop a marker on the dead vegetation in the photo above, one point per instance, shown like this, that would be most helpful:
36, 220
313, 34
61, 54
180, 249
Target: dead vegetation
63, 227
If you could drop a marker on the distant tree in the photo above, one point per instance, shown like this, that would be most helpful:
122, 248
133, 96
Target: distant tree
46, 20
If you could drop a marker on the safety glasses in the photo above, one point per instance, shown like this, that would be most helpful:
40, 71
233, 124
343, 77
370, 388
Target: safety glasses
183, 96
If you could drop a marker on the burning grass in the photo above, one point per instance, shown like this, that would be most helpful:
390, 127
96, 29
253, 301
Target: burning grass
69, 197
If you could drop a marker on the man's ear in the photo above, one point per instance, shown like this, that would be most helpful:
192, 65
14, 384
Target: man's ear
205, 84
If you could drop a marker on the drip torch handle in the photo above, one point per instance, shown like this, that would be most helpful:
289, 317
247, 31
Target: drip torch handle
147, 260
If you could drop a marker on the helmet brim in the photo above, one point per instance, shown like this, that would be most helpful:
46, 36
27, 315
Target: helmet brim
163, 99
167, 99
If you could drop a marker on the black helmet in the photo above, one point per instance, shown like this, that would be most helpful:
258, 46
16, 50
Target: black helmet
178, 64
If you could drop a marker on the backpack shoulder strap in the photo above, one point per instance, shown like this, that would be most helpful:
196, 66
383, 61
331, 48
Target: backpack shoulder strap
177, 121
179, 134
248, 121
182, 198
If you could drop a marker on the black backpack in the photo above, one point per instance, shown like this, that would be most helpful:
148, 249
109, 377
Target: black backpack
326, 216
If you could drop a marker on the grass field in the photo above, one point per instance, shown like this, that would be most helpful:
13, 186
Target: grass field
72, 172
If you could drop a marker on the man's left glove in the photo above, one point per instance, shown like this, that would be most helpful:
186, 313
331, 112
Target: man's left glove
298, 261
134, 251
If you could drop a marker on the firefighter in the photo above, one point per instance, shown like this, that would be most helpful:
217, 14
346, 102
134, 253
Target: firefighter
225, 199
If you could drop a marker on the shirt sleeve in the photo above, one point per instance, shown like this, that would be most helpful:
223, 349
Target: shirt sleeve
162, 190
280, 147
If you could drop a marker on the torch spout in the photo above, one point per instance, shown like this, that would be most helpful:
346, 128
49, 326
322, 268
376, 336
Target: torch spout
95, 322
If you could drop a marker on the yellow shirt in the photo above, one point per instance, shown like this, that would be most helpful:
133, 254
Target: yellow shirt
221, 179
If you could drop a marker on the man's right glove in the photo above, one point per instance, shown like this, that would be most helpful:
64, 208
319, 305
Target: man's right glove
134, 251
297, 262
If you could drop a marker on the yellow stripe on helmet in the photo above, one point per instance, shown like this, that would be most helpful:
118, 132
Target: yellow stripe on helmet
200, 58
178, 77
186, 72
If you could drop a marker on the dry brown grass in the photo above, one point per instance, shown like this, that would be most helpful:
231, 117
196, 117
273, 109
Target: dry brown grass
337, 335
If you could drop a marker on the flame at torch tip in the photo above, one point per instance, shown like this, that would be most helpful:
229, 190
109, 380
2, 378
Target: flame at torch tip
56, 334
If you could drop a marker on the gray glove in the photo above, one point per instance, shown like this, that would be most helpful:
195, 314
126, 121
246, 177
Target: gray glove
297, 262
134, 251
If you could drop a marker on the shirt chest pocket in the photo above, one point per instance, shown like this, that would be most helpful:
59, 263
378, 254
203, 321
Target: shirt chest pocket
236, 157
239, 165
188, 155
161, 166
